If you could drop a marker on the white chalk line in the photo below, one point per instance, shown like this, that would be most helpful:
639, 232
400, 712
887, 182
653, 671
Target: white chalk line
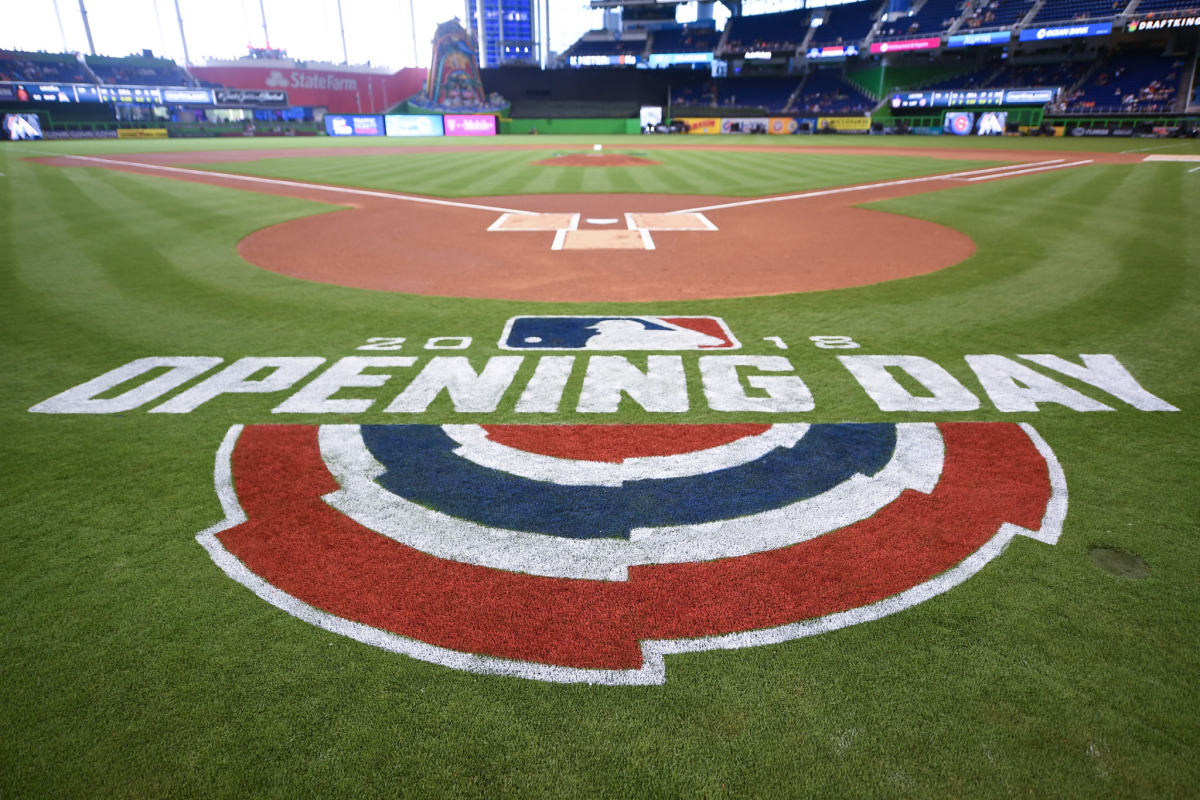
1159, 147
864, 187
1028, 171
301, 185
1197, 169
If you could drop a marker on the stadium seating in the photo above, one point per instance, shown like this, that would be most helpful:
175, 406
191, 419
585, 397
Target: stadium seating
685, 40
1151, 6
783, 31
826, 93
1074, 10
1065, 74
1131, 81
138, 71
933, 19
607, 47
972, 80
56, 67
847, 24
771, 93
997, 14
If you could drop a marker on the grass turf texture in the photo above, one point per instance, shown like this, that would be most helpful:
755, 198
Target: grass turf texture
134, 667
696, 172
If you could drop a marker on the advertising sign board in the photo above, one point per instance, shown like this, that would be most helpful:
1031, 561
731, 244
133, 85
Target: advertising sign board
834, 51
1066, 32
1143, 25
701, 124
413, 125
906, 45
190, 96
356, 125
470, 125
779, 125
976, 39
250, 97
844, 124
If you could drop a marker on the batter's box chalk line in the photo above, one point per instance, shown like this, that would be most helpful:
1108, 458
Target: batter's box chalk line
636, 236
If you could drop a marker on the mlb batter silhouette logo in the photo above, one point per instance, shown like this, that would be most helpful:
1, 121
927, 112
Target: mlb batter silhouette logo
588, 553
617, 333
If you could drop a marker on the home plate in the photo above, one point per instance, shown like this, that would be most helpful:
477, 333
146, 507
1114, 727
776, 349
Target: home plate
601, 240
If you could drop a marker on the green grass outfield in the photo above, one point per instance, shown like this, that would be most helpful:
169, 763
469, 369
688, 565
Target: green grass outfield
134, 667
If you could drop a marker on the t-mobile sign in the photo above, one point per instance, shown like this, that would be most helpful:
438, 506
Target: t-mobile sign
470, 125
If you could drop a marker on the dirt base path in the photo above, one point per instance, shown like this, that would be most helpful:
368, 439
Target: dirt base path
609, 247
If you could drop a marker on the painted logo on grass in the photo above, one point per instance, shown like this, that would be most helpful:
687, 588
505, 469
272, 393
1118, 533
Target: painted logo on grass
587, 553
617, 333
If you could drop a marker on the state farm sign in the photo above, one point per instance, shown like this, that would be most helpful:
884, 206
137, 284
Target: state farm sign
340, 92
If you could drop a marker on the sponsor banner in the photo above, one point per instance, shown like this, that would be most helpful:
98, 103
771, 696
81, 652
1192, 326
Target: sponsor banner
356, 125
778, 125
976, 39
603, 61
1144, 25
757, 54
907, 45
340, 92
834, 52
743, 124
470, 125
142, 133
251, 97
1126, 132
959, 123
413, 125
201, 97
1066, 32
701, 124
81, 134
985, 97
845, 124
21, 127
670, 59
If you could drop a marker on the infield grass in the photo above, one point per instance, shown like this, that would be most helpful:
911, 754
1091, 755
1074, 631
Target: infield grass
133, 667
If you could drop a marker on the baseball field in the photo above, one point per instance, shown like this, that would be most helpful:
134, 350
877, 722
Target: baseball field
345, 470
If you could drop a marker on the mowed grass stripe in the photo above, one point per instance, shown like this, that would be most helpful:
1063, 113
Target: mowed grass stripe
467, 174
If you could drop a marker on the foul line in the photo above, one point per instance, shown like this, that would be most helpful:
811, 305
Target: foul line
1159, 147
864, 187
321, 187
1027, 171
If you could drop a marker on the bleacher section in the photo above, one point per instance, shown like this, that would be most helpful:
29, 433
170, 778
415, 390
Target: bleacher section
698, 94
997, 14
138, 71
57, 67
1072, 10
685, 40
771, 94
1154, 6
826, 93
1064, 74
1131, 81
846, 24
972, 80
607, 47
933, 19
784, 31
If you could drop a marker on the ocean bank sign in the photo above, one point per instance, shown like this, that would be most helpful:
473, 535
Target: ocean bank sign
1066, 32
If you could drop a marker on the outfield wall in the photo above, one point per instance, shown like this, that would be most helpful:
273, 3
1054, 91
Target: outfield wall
607, 126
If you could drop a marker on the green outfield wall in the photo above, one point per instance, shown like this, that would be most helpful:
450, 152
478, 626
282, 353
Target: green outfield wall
599, 126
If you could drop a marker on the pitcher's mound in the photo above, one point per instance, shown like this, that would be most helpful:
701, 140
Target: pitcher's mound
596, 160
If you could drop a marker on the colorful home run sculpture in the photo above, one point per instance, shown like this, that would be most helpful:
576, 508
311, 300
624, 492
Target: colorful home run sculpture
453, 83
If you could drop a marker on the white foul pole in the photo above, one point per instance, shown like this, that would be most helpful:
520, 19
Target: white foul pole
61, 32
187, 60
262, 10
86, 27
342, 28
412, 24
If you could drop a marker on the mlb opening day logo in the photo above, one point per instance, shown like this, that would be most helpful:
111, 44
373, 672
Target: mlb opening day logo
590, 552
